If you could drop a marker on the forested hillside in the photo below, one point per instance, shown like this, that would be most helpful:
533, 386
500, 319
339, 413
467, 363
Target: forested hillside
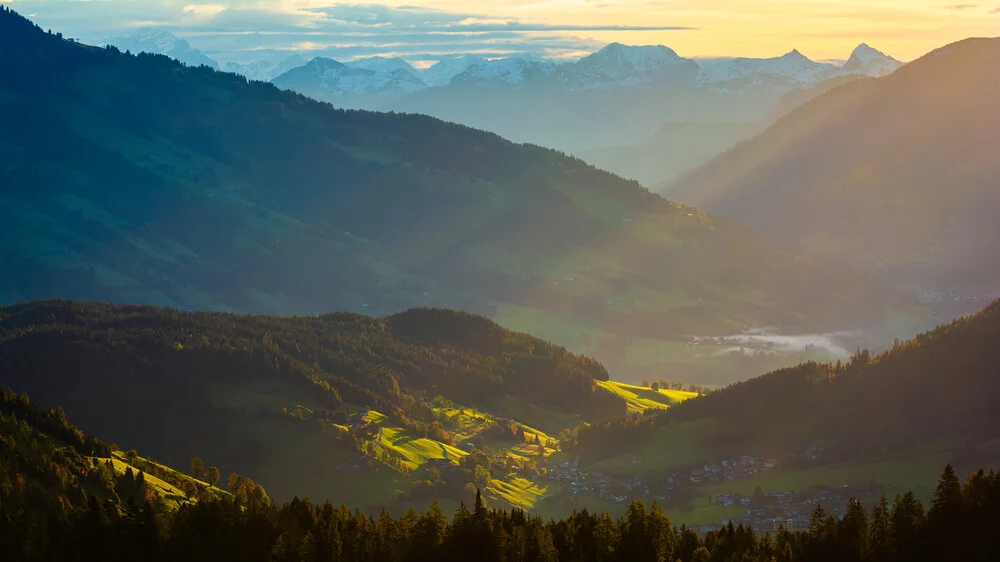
252, 389
936, 392
47, 465
135, 179
896, 174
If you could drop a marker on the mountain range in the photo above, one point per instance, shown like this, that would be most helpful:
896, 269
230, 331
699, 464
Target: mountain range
896, 175
621, 95
627, 92
616, 65
258, 200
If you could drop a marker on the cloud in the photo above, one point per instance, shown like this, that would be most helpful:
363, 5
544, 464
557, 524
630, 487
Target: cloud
995, 10
247, 29
960, 7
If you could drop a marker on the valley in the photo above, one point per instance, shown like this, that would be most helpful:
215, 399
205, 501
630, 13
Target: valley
261, 201
295, 329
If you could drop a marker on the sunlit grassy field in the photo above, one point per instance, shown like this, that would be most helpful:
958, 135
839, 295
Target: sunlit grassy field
517, 491
173, 496
417, 450
640, 399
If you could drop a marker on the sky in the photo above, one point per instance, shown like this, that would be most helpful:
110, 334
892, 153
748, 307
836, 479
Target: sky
426, 30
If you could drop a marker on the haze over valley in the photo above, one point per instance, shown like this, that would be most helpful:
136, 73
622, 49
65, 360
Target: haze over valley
400, 284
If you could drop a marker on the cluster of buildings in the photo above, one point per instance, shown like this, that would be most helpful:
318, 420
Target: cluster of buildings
792, 510
765, 512
731, 469
575, 481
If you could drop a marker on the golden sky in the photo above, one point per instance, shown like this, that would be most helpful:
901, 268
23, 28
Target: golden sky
820, 29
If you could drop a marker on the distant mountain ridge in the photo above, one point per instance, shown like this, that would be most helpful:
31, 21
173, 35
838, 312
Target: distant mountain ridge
628, 92
162, 43
350, 86
615, 65
266, 70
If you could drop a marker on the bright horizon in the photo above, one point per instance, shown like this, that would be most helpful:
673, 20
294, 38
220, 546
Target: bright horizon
425, 29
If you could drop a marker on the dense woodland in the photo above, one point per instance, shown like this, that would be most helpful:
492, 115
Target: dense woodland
59, 501
939, 388
344, 358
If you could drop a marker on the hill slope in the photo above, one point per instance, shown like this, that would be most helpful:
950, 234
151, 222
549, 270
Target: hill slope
896, 174
139, 180
279, 398
47, 462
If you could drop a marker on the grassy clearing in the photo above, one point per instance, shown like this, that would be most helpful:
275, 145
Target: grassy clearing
172, 495
517, 491
415, 450
463, 423
640, 399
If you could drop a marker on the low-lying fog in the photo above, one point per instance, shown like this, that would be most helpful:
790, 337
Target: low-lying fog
836, 344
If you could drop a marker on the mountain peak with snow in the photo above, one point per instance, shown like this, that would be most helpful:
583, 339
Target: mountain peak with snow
636, 53
786, 72
631, 65
442, 72
342, 84
382, 64
266, 70
870, 62
512, 70
159, 42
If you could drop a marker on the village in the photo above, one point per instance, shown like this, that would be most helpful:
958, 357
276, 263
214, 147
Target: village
763, 512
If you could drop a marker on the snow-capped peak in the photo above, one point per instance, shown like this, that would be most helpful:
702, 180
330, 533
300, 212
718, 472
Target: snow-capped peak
160, 42
163, 41
513, 70
266, 70
866, 53
869, 61
382, 64
782, 72
441, 72
324, 64
794, 54
330, 80
635, 55
634, 65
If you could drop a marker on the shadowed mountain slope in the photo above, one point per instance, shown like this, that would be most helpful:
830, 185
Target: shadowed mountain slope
896, 174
